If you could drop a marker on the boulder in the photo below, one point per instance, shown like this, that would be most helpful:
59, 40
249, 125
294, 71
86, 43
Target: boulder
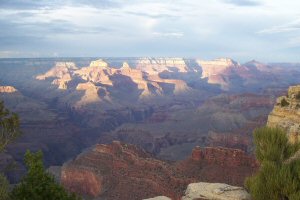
215, 191
159, 198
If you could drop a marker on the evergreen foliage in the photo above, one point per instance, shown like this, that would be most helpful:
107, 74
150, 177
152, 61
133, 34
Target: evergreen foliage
4, 188
284, 102
276, 179
9, 126
38, 184
9, 130
297, 96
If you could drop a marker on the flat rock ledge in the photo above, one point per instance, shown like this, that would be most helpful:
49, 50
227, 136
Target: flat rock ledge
215, 191
159, 198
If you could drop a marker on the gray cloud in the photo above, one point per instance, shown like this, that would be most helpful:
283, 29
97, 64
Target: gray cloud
99, 3
40, 29
52, 4
168, 34
195, 28
289, 27
243, 2
155, 16
28, 4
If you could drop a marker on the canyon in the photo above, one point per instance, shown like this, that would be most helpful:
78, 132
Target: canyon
110, 171
166, 106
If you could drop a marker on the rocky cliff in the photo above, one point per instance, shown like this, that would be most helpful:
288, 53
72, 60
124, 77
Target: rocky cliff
123, 171
286, 113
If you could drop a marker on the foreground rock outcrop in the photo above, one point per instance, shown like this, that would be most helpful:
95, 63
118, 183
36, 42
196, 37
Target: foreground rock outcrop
286, 113
215, 191
123, 171
159, 198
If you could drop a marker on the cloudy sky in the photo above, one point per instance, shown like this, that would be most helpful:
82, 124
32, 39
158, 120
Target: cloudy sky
265, 30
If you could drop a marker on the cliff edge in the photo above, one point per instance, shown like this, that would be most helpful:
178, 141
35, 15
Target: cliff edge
286, 114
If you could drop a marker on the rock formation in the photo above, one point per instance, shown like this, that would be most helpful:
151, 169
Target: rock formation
215, 191
286, 113
111, 171
99, 63
73, 104
219, 70
172, 131
159, 198
220, 165
7, 89
157, 65
61, 72
123, 86
143, 80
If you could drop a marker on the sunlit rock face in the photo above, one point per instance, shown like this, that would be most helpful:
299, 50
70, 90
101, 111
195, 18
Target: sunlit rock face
143, 80
218, 71
7, 89
215, 67
90, 93
157, 65
98, 63
286, 113
103, 84
61, 74
60, 70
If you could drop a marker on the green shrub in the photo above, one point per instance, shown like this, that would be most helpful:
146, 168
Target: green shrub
4, 194
9, 130
9, 126
39, 184
284, 103
297, 96
276, 179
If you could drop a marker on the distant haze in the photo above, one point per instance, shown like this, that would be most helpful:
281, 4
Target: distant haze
266, 30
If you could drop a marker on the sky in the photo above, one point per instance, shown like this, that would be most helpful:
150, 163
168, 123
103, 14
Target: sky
264, 30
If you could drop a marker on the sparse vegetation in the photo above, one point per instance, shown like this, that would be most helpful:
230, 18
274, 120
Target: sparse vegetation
38, 184
276, 179
9, 126
284, 102
297, 96
9, 130
4, 188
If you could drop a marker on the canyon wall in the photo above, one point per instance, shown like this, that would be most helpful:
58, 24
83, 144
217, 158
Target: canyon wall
286, 113
123, 171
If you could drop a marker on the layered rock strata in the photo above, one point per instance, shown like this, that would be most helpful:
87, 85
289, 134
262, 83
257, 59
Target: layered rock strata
123, 171
286, 113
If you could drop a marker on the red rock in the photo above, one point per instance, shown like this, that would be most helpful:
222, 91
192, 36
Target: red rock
122, 171
7, 89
